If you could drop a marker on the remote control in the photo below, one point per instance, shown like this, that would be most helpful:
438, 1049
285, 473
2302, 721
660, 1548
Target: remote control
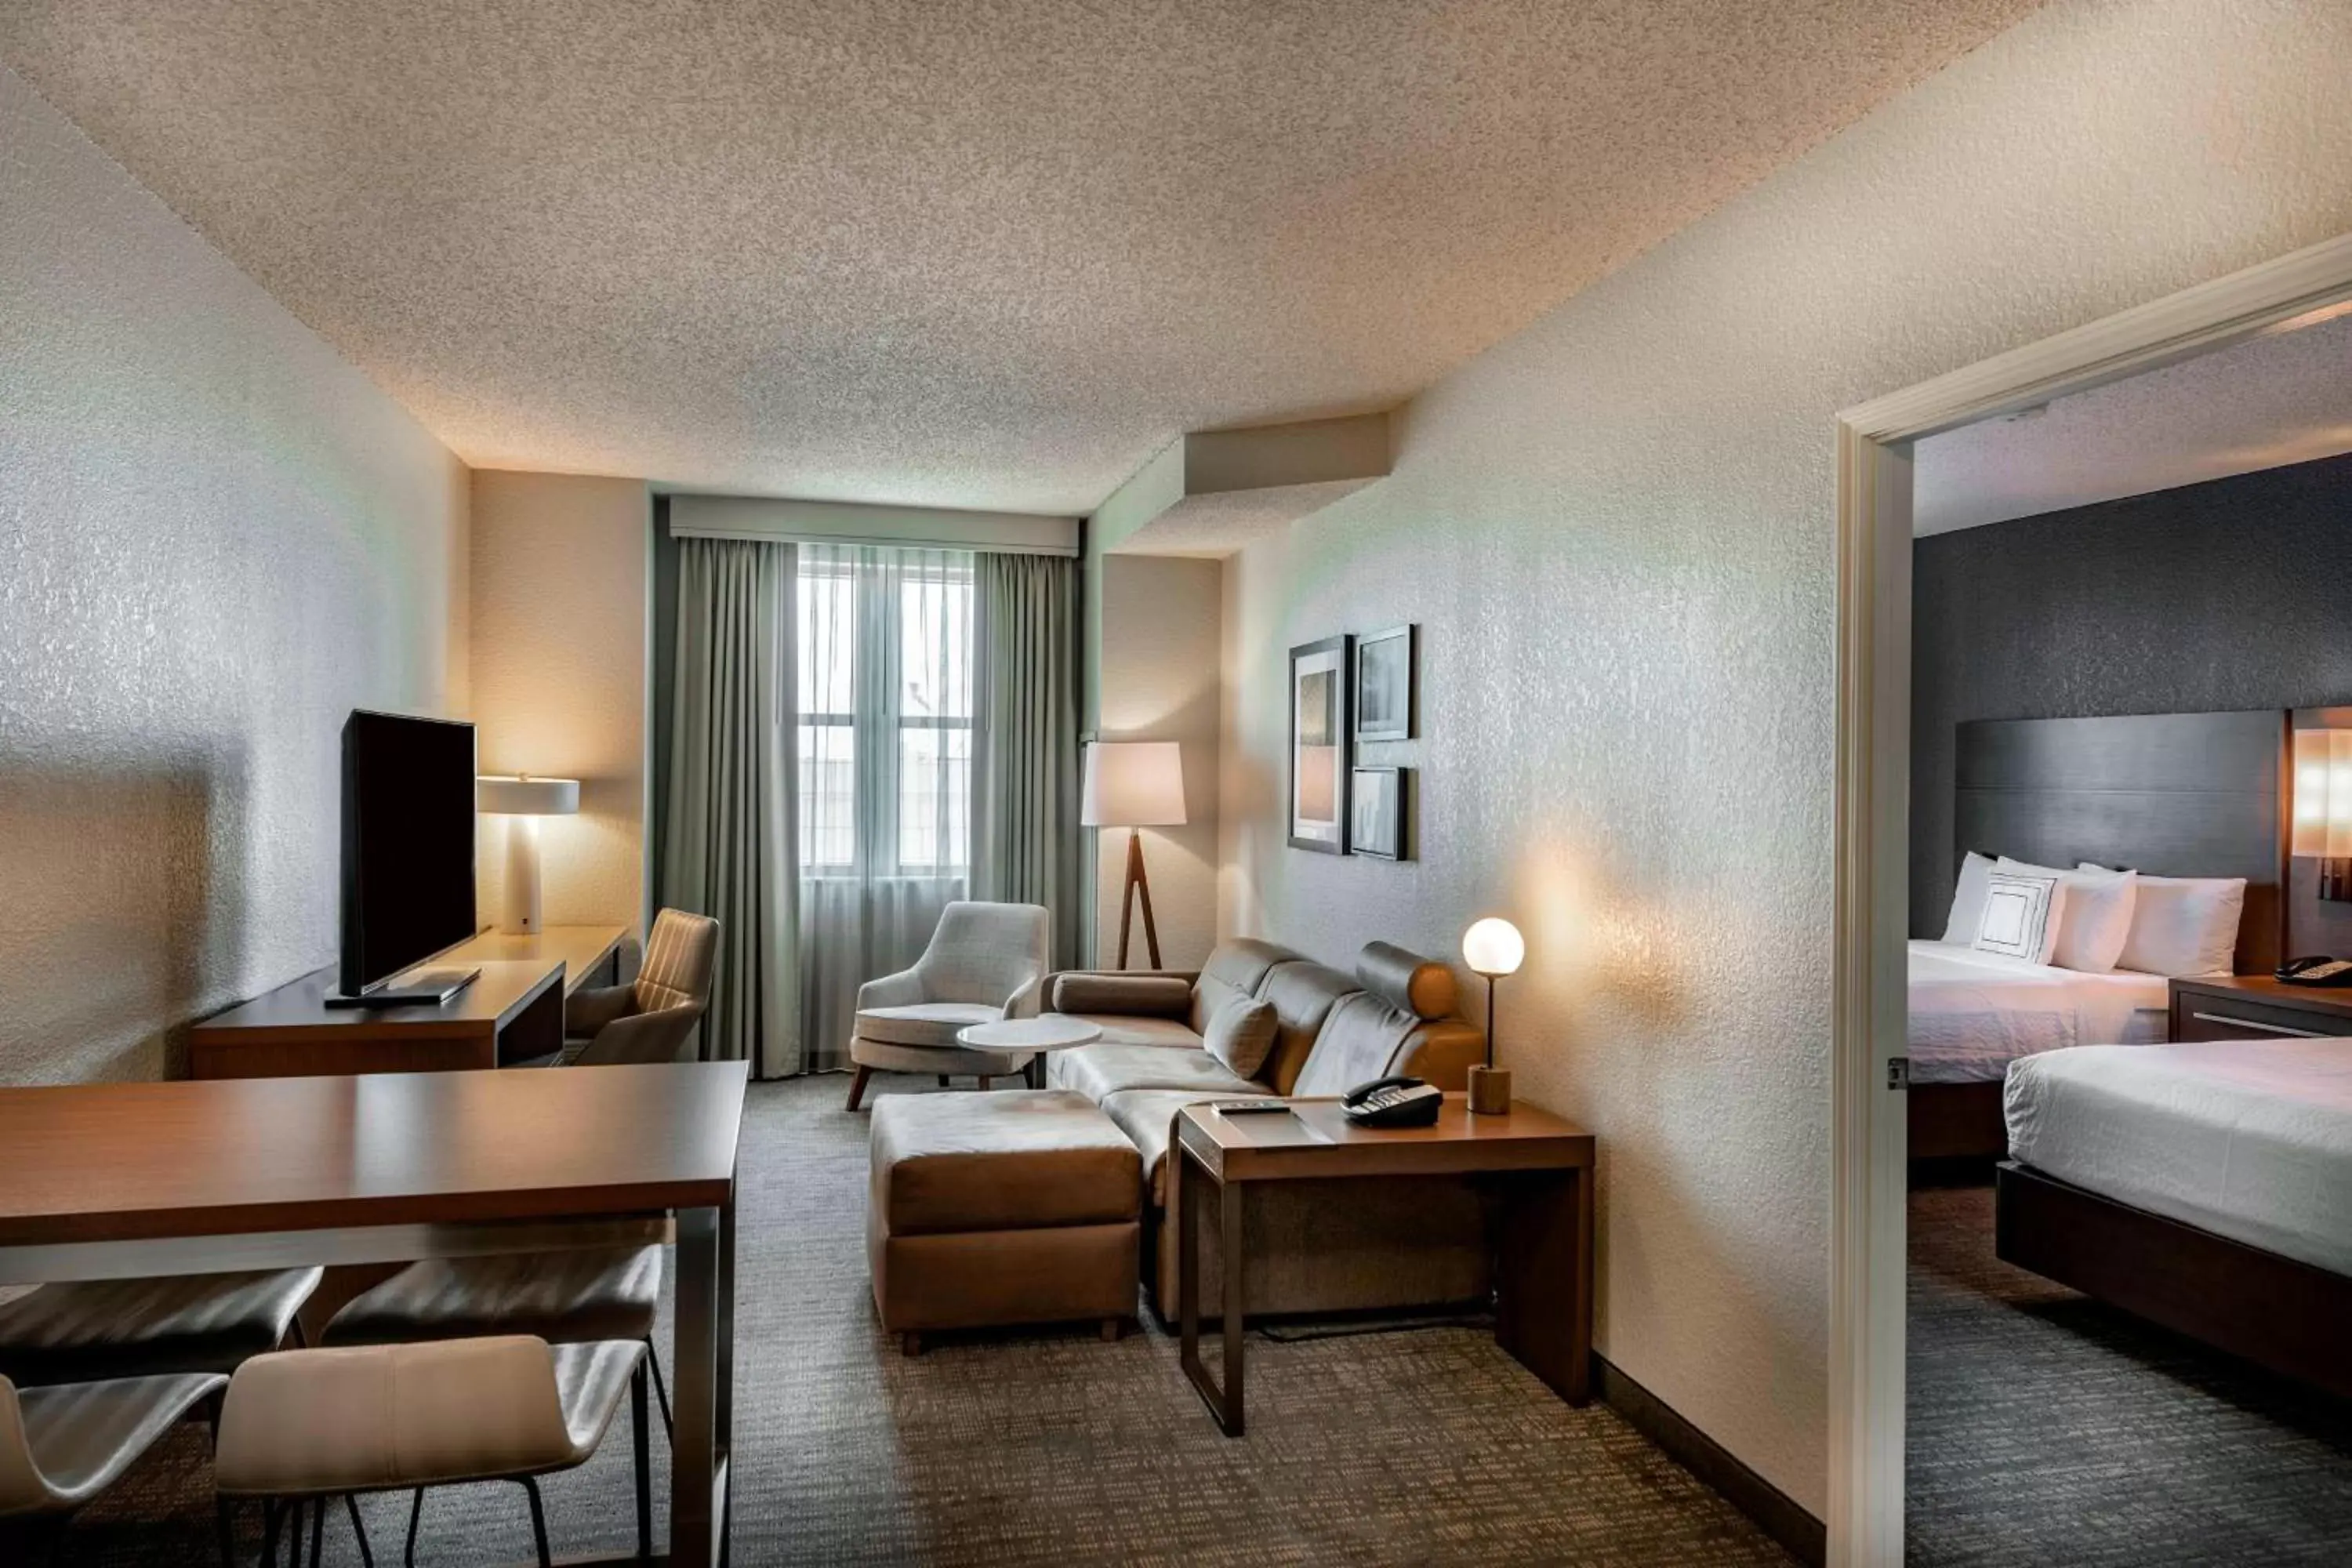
1252, 1108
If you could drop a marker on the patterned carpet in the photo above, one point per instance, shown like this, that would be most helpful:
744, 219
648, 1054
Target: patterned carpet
1053, 1448
2047, 1428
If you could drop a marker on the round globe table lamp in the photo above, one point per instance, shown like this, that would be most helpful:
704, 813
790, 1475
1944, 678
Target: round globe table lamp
1132, 784
526, 800
1494, 948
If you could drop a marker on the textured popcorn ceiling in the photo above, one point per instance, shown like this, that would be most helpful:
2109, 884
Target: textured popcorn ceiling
979, 255
2283, 398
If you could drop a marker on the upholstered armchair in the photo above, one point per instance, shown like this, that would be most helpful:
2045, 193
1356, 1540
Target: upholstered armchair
985, 962
651, 1019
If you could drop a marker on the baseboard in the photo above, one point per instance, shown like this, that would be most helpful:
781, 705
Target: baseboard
1775, 1513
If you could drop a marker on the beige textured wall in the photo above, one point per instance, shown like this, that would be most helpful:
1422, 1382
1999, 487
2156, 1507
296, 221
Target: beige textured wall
1615, 530
561, 567
218, 537
1160, 682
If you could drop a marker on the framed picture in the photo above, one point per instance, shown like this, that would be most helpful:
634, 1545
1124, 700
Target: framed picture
1376, 812
1384, 684
1318, 745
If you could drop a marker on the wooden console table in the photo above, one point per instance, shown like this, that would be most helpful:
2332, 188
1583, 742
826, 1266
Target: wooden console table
513, 1012
1543, 1248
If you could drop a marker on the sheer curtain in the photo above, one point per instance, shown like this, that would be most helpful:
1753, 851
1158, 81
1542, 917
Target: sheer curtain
884, 706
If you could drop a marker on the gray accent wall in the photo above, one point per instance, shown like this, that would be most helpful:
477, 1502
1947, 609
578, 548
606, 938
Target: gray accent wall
2223, 595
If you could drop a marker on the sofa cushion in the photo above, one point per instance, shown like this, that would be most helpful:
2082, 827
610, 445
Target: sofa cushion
1148, 1117
1146, 995
1364, 1038
1302, 994
1127, 1029
923, 1023
1235, 968
1240, 1035
1007, 1161
1099, 1071
1419, 986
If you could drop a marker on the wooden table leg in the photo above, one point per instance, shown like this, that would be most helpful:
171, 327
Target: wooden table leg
1543, 1308
1193, 1181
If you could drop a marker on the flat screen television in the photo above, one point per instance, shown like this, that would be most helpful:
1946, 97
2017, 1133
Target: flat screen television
408, 843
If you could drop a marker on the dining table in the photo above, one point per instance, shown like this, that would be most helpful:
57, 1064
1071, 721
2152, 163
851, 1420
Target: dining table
112, 1181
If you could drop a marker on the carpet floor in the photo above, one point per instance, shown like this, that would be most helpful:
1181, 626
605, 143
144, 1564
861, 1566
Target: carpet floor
1049, 1447
2047, 1428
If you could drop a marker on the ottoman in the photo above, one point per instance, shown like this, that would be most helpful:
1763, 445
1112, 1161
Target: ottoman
1021, 1207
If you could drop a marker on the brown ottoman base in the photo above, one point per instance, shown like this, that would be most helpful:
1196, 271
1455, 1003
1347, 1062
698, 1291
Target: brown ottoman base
981, 1278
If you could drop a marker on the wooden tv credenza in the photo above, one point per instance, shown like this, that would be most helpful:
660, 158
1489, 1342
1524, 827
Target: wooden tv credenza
513, 1012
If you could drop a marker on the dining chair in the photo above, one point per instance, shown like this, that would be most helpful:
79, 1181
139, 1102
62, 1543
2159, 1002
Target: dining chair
96, 1329
63, 1444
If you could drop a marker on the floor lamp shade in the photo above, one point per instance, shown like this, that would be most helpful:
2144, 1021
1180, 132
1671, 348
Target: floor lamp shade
524, 799
1132, 784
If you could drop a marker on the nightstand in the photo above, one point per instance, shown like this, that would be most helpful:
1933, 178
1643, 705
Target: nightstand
2250, 1006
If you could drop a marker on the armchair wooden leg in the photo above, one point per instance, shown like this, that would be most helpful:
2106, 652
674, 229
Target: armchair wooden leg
858, 1084
985, 1083
910, 1343
943, 1080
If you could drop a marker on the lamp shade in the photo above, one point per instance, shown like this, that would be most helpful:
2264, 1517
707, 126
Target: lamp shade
1132, 783
523, 795
2323, 793
1493, 946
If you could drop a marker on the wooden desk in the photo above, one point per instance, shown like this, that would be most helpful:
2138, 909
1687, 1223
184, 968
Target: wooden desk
1543, 1244
512, 1012
126, 1181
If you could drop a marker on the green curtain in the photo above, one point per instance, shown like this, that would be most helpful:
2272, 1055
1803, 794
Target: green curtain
1024, 767
730, 837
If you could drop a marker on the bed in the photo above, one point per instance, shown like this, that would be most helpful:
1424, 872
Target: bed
2205, 1186
2175, 795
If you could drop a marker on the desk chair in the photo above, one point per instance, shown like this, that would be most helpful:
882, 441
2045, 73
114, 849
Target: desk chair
92, 1330
653, 1017
303, 1428
63, 1444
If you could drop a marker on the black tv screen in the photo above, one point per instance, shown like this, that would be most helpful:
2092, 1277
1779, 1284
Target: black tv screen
408, 842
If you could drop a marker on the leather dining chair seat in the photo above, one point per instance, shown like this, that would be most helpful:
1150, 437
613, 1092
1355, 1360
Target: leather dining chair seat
63, 1444
563, 1298
92, 1330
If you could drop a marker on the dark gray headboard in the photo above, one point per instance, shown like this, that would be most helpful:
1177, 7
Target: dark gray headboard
2175, 795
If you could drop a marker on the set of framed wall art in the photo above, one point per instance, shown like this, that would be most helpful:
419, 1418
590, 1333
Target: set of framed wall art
1346, 691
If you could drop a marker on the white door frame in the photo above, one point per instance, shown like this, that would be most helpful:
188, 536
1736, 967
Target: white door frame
1869, 979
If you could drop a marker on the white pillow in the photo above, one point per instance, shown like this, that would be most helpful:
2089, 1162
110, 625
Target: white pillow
2099, 904
2185, 926
2021, 916
1968, 901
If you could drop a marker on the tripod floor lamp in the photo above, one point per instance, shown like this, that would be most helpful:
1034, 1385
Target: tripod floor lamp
1132, 784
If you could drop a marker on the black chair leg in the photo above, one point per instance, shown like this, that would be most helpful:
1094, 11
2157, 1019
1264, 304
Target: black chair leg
538, 1522
642, 1442
359, 1530
272, 1515
225, 1523
415, 1510
318, 1527
661, 1390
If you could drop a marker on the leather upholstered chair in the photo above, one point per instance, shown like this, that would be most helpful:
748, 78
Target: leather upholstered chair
63, 1444
652, 1018
985, 962
98, 1330
306, 1426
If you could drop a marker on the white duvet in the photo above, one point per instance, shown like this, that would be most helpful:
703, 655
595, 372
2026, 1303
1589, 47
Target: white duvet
2247, 1139
1974, 1012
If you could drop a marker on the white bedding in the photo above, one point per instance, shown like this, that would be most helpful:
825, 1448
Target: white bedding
1974, 1012
2247, 1139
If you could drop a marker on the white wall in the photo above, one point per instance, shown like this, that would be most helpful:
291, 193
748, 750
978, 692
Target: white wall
560, 601
217, 538
1615, 530
1160, 658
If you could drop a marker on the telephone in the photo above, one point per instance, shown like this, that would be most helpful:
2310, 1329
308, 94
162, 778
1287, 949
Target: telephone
2317, 970
1393, 1102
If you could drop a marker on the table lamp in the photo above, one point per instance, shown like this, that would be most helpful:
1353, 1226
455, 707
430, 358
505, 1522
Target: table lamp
526, 800
1132, 784
1494, 948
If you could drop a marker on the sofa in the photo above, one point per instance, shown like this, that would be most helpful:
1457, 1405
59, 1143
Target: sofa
1310, 1247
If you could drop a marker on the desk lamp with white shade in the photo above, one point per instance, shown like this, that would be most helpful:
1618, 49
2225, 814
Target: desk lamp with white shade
525, 799
1133, 784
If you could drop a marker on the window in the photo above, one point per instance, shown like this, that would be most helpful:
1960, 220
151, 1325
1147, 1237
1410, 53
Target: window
884, 652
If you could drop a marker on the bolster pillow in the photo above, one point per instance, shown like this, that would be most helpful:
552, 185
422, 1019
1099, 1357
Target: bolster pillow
1406, 980
1134, 996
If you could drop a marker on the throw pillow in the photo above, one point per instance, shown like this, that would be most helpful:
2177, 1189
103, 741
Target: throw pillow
1240, 1034
2098, 915
2021, 916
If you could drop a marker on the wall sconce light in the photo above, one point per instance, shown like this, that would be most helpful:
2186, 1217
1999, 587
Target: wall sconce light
1491, 947
2323, 806
526, 800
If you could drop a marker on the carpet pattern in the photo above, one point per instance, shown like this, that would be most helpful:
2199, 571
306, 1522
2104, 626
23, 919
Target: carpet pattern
1047, 1447
2047, 1428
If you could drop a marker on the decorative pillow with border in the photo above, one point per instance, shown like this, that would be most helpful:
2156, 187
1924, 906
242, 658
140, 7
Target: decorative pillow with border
2021, 916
